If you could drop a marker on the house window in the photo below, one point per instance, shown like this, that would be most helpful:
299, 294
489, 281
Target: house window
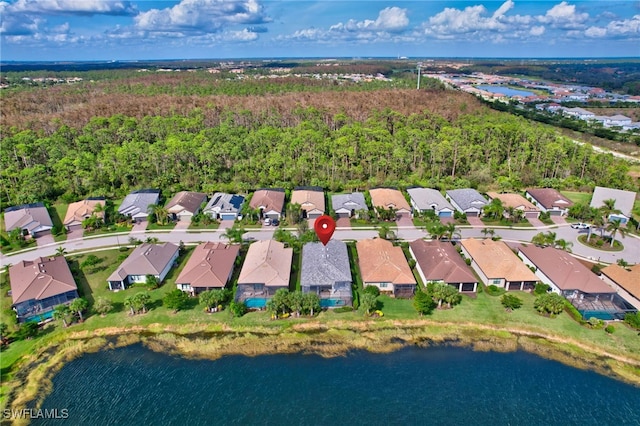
384, 285
495, 281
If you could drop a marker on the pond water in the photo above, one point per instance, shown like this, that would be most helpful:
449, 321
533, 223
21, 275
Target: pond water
504, 90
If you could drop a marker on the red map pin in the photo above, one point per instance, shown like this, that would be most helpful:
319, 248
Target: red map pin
324, 227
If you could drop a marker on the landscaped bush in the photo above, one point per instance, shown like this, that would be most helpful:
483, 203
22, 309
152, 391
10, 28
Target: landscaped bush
343, 309
610, 329
596, 269
493, 290
633, 320
511, 301
370, 289
595, 322
541, 288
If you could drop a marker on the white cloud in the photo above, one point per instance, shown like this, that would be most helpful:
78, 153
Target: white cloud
201, 16
506, 6
244, 35
74, 7
564, 15
537, 31
392, 19
626, 28
468, 20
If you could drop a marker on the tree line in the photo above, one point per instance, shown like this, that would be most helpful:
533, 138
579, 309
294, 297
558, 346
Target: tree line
111, 156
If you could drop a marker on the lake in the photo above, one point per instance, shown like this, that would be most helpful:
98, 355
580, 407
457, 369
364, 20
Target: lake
414, 386
505, 90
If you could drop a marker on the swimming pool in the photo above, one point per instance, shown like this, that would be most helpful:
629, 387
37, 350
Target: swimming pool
256, 302
332, 303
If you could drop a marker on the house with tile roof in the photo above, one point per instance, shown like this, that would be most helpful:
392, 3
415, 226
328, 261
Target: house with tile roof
311, 201
626, 281
266, 268
568, 277
384, 266
136, 203
326, 272
185, 204
549, 200
428, 199
348, 205
146, 259
224, 206
32, 219
38, 286
389, 198
209, 267
79, 211
467, 201
439, 262
623, 201
496, 264
270, 202
517, 202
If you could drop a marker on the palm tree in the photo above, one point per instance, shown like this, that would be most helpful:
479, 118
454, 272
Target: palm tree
598, 222
160, 212
622, 263
103, 306
61, 251
78, 305
608, 208
130, 303
563, 244
614, 227
385, 232
61, 312
141, 301
451, 231
494, 209
488, 231
437, 230
234, 234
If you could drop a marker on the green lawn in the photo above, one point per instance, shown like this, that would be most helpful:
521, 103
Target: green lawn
58, 212
578, 197
196, 227
108, 230
157, 227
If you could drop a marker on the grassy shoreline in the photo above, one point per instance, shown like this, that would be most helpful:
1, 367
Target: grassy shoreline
32, 381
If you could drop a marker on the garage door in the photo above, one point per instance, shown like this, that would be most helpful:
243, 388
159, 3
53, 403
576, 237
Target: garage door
313, 215
533, 215
445, 214
273, 216
555, 212
343, 214
228, 216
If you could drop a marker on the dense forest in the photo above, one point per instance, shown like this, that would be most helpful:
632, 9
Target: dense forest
340, 141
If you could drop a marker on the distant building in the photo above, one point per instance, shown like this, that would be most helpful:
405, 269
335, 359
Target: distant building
136, 204
209, 267
79, 211
624, 201
427, 199
224, 206
384, 266
185, 204
348, 205
467, 201
625, 280
311, 201
389, 198
270, 202
326, 272
549, 200
439, 262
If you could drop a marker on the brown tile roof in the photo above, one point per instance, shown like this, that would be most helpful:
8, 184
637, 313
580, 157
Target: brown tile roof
308, 200
515, 201
386, 197
40, 278
380, 261
496, 260
550, 198
269, 199
186, 200
146, 259
210, 265
80, 210
439, 260
267, 262
629, 280
564, 270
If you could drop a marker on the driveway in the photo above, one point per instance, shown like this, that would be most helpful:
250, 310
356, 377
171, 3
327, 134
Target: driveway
537, 223
559, 220
45, 239
181, 225
75, 234
404, 221
343, 222
475, 221
225, 224
139, 226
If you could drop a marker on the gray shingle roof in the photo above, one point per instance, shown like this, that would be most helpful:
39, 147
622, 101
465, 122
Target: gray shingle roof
624, 199
146, 259
27, 216
325, 265
137, 202
224, 203
353, 201
467, 198
425, 198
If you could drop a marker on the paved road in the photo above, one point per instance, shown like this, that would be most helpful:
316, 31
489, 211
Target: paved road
631, 253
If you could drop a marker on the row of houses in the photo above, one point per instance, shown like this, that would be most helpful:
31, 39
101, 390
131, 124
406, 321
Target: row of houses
34, 219
38, 286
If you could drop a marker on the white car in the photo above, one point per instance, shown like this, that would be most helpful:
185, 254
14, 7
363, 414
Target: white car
267, 221
580, 225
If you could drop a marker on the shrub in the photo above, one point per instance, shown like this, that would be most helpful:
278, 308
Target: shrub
370, 289
595, 322
574, 313
510, 301
633, 320
342, 309
596, 269
610, 329
493, 290
237, 309
541, 288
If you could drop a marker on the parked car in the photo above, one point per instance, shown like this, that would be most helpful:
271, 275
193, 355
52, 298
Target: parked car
275, 222
266, 221
580, 225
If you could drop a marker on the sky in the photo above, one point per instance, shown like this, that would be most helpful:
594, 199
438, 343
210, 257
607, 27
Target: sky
56, 30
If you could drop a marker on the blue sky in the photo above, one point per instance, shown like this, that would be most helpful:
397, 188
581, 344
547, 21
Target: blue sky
192, 29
